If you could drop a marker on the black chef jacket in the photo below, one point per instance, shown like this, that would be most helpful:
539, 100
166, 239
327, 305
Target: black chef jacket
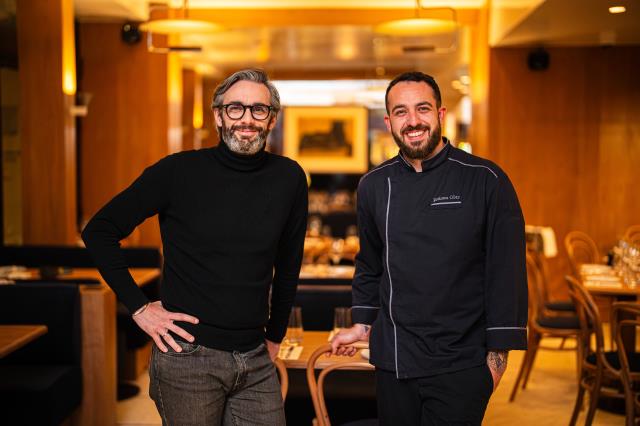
441, 270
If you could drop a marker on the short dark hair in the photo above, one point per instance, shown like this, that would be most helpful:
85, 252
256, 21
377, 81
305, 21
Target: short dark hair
418, 77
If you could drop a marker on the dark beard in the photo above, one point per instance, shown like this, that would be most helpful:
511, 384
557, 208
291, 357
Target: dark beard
423, 152
242, 145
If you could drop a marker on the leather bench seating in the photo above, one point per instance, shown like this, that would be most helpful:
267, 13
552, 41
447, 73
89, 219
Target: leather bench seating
131, 337
41, 383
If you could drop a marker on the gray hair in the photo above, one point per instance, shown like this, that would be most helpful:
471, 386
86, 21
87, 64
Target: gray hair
255, 75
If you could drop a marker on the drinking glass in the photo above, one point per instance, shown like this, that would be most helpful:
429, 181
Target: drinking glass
341, 318
294, 329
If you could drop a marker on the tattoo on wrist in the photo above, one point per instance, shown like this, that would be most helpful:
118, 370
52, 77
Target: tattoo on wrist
497, 360
366, 327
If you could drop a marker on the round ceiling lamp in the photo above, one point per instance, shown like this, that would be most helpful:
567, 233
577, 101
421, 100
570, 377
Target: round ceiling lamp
415, 27
180, 26
418, 26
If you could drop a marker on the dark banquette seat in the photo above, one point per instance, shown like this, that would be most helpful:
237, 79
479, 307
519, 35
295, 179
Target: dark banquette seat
41, 383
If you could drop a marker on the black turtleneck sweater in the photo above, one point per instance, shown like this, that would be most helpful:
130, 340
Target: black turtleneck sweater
232, 226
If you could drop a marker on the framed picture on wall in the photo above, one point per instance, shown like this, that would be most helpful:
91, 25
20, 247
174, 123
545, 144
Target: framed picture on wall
327, 139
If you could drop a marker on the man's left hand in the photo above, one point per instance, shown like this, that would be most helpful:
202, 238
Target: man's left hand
497, 362
273, 349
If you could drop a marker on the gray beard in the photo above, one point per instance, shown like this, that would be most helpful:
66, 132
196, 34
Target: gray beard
244, 146
420, 153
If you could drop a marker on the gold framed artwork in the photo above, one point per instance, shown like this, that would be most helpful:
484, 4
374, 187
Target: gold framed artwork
327, 139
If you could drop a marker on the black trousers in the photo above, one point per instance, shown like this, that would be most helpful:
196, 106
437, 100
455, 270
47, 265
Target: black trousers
458, 398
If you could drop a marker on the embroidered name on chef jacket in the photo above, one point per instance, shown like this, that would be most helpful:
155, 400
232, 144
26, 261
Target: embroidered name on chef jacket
446, 200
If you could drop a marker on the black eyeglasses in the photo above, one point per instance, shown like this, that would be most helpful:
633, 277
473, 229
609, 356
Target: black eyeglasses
236, 111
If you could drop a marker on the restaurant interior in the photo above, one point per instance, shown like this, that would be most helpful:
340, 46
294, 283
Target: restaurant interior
94, 91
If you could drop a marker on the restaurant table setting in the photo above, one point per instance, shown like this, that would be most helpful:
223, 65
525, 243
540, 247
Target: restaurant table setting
625, 272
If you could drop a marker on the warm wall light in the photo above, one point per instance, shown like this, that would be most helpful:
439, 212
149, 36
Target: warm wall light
418, 26
617, 9
198, 114
68, 51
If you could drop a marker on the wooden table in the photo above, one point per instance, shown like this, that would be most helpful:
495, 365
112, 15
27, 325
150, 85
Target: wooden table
99, 368
618, 292
615, 291
13, 337
326, 274
327, 271
311, 341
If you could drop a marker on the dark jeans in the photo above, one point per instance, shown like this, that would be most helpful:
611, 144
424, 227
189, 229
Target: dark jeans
458, 398
202, 386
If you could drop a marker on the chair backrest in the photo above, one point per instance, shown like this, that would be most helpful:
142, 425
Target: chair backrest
543, 271
55, 305
632, 234
74, 257
590, 322
316, 385
284, 377
318, 303
536, 303
626, 315
581, 249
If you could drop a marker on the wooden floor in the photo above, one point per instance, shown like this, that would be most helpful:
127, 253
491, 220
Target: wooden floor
548, 399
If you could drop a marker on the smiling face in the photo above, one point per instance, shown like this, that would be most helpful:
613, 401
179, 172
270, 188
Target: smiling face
245, 135
414, 119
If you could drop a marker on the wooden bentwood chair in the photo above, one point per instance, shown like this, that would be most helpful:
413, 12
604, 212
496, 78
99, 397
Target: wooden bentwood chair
627, 316
283, 376
632, 234
316, 385
551, 306
581, 249
599, 369
541, 324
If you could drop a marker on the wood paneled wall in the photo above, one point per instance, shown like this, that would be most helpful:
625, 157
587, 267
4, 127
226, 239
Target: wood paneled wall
47, 129
209, 134
479, 70
127, 128
188, 92
569, 138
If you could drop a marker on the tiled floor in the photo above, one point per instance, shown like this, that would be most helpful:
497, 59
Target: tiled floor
548, 399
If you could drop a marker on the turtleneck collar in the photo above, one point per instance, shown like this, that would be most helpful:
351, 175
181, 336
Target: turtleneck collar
240, 162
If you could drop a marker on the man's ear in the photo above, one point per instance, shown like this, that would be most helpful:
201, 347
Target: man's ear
387, 122
217, 117
272, 121
442, 111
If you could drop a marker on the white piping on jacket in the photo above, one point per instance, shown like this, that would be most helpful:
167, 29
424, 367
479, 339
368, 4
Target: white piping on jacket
473, 165
379, 168
386, 235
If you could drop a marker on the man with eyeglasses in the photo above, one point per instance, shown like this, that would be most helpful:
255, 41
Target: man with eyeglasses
233, 220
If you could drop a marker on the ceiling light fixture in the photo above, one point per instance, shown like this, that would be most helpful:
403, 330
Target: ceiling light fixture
177, 26
617, 9
180, 26
418, 26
